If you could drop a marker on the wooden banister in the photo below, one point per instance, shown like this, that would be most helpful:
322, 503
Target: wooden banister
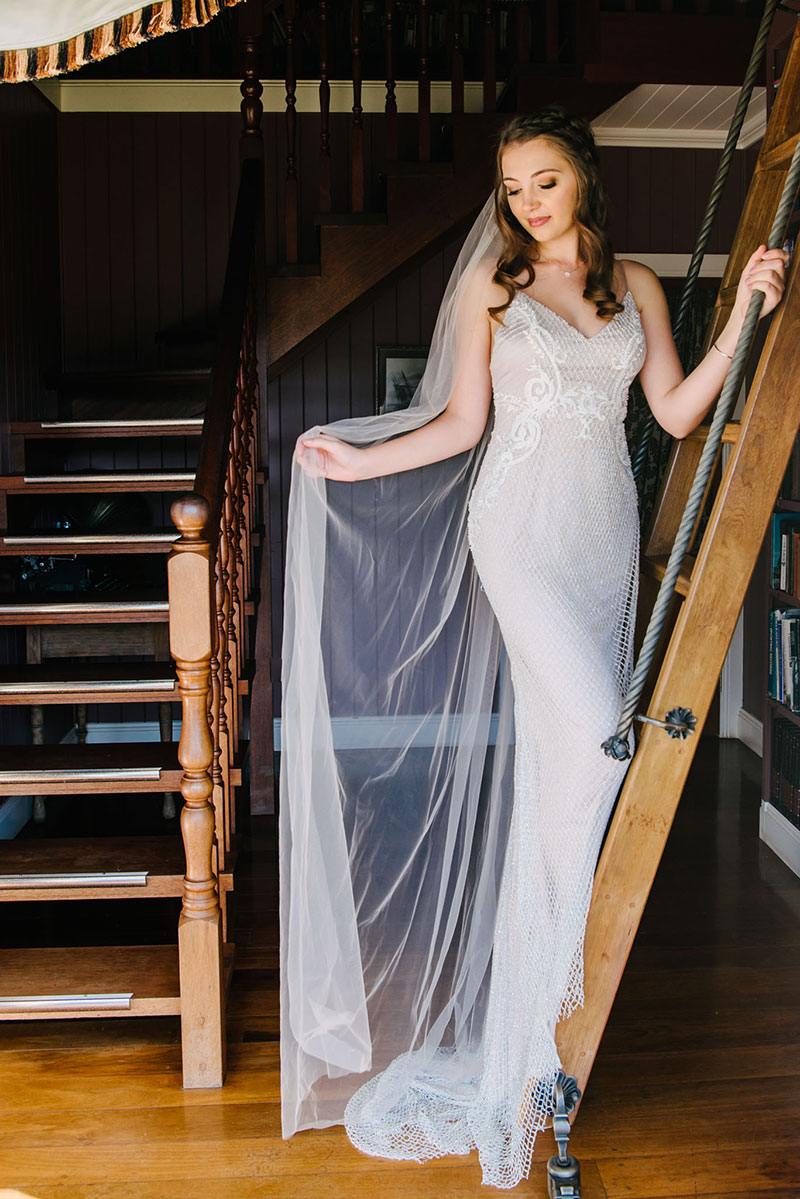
424, 83
357, 127
324, 112
210, 575
391, 98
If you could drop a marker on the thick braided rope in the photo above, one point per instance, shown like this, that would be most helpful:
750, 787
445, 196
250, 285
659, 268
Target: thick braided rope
619, 742
641, 452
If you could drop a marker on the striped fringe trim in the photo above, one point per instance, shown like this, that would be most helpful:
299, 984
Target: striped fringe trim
148, 22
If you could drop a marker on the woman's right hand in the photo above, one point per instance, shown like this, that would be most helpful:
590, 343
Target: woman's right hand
325, 456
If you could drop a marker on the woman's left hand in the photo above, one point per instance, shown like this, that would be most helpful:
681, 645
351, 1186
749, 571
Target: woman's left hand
766, 271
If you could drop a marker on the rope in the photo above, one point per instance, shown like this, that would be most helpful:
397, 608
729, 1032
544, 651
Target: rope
617, 746
641, 453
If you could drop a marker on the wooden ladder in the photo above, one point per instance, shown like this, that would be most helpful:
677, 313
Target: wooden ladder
709, 594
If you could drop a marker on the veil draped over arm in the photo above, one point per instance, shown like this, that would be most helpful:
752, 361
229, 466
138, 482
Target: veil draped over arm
396, 761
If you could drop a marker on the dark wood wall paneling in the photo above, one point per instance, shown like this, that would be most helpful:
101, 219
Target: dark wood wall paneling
146, 207
29, 303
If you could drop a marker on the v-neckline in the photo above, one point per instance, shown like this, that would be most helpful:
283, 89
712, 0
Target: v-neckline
569, 324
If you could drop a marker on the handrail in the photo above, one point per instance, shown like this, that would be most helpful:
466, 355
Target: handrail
216, 435
209, 574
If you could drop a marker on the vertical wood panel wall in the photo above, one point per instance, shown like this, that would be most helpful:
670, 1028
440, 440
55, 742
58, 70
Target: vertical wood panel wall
146, 208
29, 303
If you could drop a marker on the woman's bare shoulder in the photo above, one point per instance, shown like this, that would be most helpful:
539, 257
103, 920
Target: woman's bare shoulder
480, 284
642, 281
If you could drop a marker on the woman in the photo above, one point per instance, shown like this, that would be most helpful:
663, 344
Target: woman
437, 868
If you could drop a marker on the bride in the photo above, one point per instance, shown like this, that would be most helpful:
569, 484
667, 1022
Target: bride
460, 599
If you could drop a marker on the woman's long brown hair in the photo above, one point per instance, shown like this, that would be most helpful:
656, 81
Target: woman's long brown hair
572, 137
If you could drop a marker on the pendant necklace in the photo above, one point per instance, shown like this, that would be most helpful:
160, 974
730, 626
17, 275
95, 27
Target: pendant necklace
554, 262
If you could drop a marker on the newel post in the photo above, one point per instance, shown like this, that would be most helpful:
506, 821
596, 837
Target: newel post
192, 625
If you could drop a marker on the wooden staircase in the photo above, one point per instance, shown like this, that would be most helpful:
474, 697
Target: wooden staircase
159, 616
708, 597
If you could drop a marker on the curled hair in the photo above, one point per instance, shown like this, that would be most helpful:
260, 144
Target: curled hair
573, 138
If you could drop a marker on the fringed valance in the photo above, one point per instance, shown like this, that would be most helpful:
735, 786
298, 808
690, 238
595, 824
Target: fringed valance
39, 38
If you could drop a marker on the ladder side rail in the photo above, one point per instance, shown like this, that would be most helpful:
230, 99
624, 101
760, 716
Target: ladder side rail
694, 657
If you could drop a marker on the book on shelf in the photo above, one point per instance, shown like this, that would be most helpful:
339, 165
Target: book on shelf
784, 779
783, 657
786, 551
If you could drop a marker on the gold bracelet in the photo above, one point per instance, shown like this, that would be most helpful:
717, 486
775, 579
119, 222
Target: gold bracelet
722, 352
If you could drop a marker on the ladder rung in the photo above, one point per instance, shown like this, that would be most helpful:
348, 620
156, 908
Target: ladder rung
655, 568
730, 434
779, 156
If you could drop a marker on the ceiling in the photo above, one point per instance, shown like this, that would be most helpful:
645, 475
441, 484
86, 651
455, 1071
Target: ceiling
673, 114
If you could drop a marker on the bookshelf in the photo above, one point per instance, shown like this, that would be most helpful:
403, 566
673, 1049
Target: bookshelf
779, 822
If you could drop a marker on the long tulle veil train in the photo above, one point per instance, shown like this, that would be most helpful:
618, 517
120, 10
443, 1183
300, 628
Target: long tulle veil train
396, 785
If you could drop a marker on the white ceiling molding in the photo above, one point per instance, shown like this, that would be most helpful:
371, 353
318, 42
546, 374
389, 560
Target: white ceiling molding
656, 115
680, 116
223, 95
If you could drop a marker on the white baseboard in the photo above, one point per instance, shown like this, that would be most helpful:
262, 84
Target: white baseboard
781, 836
751, 732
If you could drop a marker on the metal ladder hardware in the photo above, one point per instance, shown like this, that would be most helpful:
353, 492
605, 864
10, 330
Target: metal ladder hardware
563, 1170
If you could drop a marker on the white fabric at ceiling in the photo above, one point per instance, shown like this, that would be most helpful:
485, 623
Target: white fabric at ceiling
25, 24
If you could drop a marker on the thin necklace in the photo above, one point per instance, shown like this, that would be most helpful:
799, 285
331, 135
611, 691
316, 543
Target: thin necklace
554, 262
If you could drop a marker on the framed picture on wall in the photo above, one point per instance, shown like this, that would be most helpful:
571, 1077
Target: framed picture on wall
398, 370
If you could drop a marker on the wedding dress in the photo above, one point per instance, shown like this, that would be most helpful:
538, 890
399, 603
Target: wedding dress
443, 950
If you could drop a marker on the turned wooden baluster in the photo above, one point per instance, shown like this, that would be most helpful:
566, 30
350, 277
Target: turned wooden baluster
228, 681
222, 748
291, 139
424, 84
489, 52
239, 466
551, 49
324, 113
235, 616
200, 926
248, 404
456, 60
218, 794
250, 25
357, 128
523, 33
390, 107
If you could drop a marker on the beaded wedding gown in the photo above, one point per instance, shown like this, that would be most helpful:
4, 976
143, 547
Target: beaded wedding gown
554, 532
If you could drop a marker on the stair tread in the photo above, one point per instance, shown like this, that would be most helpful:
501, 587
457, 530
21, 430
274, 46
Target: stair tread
156, 427
99, 768
161, 857
56, 541
142, 969
85, 607
104, 481
148, 973
62, 681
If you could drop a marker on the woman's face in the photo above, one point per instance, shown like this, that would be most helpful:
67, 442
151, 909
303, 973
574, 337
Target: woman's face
541, 187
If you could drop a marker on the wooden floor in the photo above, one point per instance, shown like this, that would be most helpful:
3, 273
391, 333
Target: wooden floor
696, 1090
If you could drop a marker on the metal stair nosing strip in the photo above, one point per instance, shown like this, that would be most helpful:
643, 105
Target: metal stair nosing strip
88, 612
91, 691
69, 544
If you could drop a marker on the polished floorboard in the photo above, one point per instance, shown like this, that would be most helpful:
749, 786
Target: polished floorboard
696, 1090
